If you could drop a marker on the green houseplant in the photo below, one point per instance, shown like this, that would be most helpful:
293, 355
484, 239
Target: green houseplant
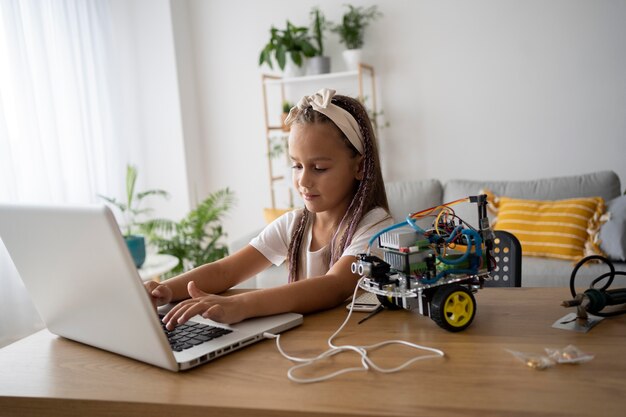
351, 31
131, 209
197, 238
287, 105
318, 64
289, 44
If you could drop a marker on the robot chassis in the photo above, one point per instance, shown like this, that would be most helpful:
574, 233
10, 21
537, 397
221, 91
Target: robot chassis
434, 271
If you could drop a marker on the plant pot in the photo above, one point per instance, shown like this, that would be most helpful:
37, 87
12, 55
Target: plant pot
318, 65
292, 70
352, 58
137, 248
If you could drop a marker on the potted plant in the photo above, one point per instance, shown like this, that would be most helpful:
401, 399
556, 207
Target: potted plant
197, 238
130, 209
319, 63
351, 31
289, 47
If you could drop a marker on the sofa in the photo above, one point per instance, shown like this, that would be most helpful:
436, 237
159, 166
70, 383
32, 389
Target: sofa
410, 196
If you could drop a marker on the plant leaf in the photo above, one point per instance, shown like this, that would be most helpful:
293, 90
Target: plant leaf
140, 196
195, 239
308, 49
296, 57
280, 56
131, 179
120, 206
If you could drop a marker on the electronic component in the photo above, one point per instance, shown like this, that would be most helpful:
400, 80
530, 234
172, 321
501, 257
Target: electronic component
592, 304
434, 271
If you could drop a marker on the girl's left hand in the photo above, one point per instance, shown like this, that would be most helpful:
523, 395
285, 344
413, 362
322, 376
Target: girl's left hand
214, 307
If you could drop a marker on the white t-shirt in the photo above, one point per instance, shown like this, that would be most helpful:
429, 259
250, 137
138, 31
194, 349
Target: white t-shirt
273, 242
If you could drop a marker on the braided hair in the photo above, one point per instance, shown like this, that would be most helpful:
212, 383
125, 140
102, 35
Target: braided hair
369, 192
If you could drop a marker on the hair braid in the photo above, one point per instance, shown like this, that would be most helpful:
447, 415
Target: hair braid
294, 245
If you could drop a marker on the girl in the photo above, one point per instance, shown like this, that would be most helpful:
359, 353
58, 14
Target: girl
336, 170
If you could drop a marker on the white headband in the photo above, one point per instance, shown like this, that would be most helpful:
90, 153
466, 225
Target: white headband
320, 102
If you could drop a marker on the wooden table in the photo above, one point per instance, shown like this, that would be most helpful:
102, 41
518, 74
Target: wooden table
47, 375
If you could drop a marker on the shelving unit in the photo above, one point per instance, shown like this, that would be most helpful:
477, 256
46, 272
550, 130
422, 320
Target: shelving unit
276, 90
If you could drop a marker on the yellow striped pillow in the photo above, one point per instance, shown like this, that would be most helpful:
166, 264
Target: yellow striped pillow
563, 229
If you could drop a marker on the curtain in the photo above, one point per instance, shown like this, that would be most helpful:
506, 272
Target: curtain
58, 140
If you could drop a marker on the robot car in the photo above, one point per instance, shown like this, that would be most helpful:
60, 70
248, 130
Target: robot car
433, 270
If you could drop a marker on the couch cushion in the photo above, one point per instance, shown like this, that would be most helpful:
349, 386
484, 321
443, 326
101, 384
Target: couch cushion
406, 197
603, 184
562, 229
613, 232
544, 272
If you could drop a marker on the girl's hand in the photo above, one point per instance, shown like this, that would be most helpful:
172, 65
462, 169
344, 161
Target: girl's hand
159, 294
214, 307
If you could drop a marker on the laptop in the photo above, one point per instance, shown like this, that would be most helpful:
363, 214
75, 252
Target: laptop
77, 269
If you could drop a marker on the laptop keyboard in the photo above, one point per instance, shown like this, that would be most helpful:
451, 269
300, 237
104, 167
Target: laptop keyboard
190, 334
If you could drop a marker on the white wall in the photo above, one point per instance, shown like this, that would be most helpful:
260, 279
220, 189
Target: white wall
523, 88
475, 89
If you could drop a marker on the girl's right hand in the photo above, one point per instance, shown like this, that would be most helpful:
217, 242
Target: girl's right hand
160, 294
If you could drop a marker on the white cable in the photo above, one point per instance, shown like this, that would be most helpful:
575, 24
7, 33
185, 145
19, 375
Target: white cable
366, 361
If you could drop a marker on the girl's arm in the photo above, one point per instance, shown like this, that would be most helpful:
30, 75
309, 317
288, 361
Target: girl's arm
307, 295
212, 278
303, 296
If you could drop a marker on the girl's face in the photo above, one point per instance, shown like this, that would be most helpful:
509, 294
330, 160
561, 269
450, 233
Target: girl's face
325, 170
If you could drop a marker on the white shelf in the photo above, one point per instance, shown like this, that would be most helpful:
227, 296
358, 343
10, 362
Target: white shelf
311, 78
278, 134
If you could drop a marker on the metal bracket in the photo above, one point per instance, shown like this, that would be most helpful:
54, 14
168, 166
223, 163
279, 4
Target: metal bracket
574, 322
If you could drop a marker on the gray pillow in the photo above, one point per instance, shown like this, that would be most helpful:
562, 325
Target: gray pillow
613, 232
